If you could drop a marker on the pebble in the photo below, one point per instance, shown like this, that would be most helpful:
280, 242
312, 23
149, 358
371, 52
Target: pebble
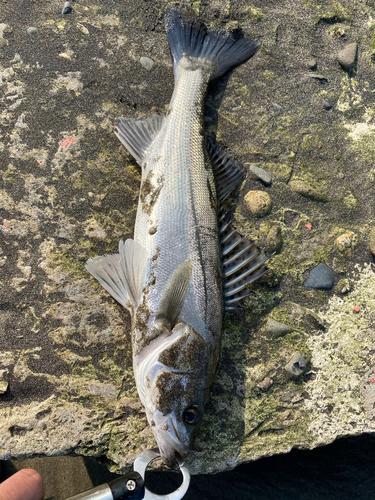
147, 63
297, 365
264, 176
265, 384
276, 328
3, 386
317, 76
327, 105
274, 240
344, 242
32, 30
259, 202
311, 63
67, 9
347, 56
320, 278
372, 241
309, 190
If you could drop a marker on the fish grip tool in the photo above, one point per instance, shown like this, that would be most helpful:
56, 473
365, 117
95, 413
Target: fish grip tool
132, 485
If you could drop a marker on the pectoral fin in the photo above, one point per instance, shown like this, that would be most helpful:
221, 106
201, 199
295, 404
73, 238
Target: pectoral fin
174, 295
121, 274
137, 134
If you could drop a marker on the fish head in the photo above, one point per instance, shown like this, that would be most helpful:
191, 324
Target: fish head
173, 389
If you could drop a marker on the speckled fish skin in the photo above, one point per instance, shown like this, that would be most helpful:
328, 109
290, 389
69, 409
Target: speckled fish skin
171, 278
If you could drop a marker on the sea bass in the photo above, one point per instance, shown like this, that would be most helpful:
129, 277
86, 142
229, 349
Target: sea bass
186, 264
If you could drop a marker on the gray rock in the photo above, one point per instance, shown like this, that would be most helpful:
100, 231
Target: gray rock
347, 56
262, 174
32, 30
327, 105
297, 365
321, 277
147, 63
67, 9
311, 63
276, 328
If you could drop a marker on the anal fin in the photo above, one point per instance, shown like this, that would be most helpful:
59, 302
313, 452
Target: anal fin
121, 274
243, 263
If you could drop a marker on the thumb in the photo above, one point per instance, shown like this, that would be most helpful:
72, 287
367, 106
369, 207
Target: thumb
25, 484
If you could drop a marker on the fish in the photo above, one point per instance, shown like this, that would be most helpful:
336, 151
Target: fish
186, 265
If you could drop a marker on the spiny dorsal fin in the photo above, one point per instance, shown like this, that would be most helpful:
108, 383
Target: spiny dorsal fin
228, 173
174, 295
243, 263
121, 274
137, 134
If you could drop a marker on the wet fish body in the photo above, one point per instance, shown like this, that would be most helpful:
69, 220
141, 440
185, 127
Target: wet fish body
186, 264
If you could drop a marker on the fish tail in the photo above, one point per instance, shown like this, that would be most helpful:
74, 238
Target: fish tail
188, 38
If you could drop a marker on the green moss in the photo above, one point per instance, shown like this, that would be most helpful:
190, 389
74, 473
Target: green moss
329, 11
11, 174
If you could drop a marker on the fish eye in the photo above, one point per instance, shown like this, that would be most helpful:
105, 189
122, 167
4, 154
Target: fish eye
192, 415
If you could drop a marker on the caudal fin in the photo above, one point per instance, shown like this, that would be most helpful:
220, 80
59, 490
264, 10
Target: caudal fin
187, 39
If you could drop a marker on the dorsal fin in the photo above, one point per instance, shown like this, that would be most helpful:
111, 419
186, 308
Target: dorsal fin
228, 173
174, 295
137, 134
121, 274
243, 263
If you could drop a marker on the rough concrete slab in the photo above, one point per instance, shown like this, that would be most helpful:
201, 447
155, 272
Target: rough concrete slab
68, 192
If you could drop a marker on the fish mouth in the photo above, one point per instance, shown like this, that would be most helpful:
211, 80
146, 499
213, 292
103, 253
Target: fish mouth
172, 446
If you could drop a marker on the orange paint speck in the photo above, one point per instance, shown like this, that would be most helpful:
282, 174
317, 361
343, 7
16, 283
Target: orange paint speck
9, 89
39, 162
319, 146
309, 226
356, 309
5, 224
66, 142
372, 380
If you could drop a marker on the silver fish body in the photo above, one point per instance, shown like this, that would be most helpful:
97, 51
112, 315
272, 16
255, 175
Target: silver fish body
171, 277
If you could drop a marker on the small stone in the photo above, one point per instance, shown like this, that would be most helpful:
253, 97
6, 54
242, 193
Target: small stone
317, 76
343, 286
297, 365
311, 63
277, 329
147, 63
265, 384
259, 202
347, 56
308, 190
274, 240
327, 105
67, 9
3, 386
32, 30
372, 241
264, 176
320, 278
344, 242
313, 319
280, 171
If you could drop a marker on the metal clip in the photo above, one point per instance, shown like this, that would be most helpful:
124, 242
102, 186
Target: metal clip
140, 466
